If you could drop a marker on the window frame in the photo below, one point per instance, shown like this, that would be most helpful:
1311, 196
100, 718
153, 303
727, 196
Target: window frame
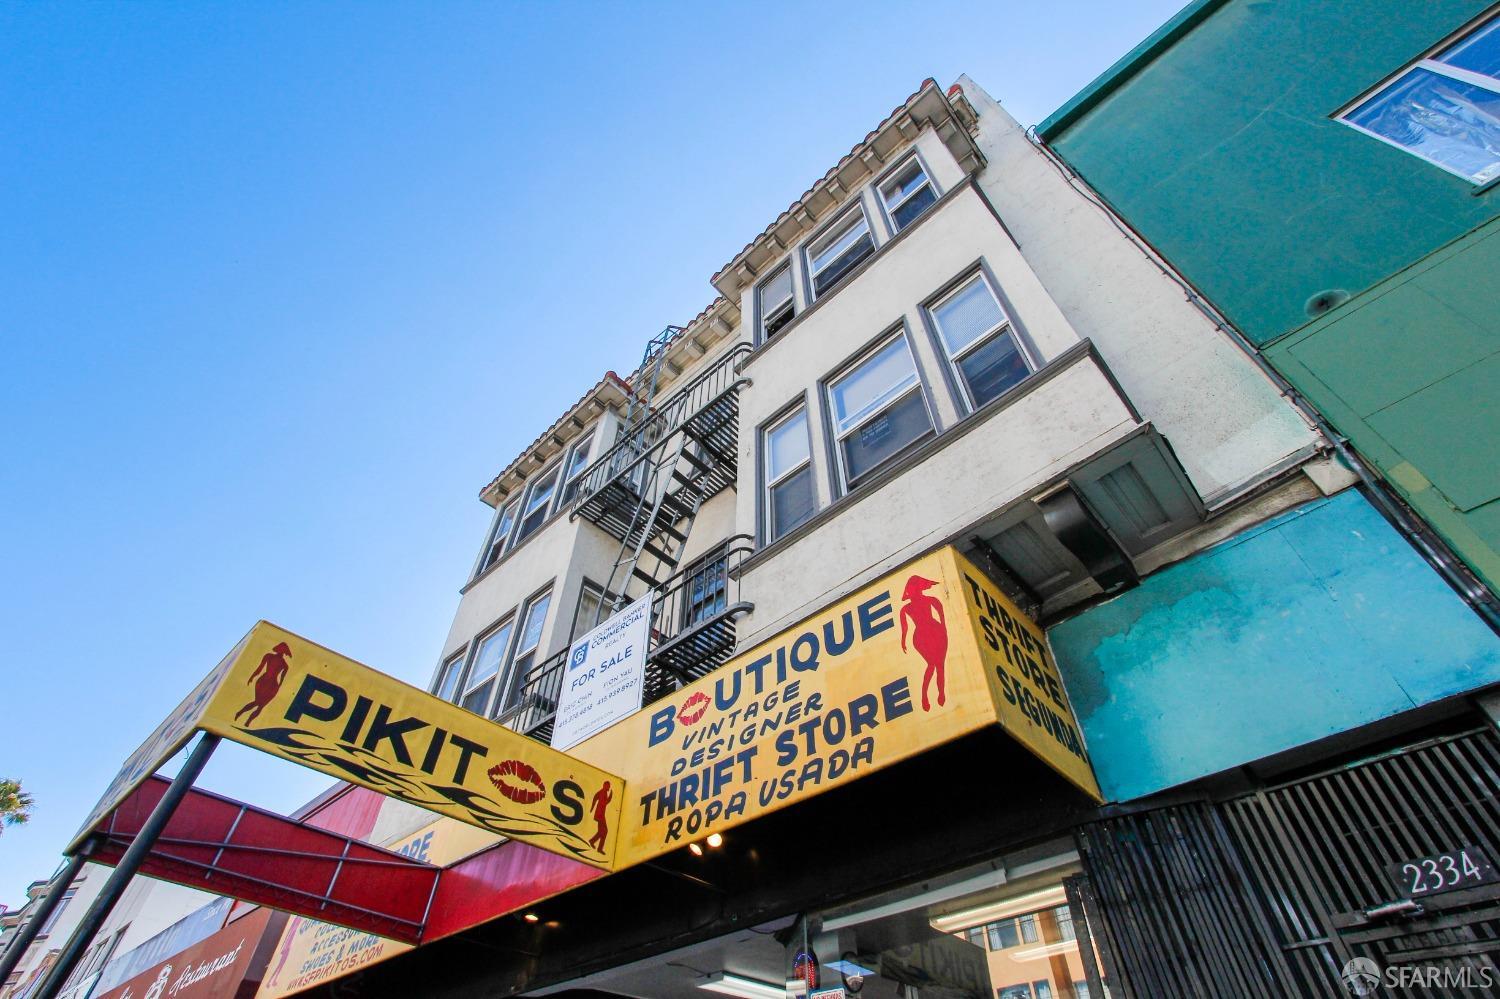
856, 205
843, 485
761, 336
580, 627
567, 478
888, 210
493, 540
457, 662
555, 470
1429, 62
782, 416
471, 655
958, 385
509, 667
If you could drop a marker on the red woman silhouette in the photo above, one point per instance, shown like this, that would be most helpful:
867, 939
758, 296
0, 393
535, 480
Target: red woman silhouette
287, 939
601, 801
267, 679
929, 633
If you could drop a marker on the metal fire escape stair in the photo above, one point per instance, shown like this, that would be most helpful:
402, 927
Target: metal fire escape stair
647, 489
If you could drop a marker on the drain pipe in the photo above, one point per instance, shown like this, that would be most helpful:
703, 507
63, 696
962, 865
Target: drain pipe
1432, 548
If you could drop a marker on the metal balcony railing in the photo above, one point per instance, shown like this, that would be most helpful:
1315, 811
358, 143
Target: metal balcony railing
615, 486
693, 615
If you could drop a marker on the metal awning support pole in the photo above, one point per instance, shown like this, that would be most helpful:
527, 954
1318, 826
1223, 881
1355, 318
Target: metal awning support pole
44, 909
104, 903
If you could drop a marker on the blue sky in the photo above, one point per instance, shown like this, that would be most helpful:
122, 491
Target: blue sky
282, 285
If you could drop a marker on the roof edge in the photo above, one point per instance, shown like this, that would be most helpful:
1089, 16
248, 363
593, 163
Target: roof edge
1127, 66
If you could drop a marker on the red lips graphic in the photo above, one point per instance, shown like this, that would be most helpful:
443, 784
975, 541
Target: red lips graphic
527, 787
692, 709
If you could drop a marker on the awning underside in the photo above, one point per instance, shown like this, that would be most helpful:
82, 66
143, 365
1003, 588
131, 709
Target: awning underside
230, 848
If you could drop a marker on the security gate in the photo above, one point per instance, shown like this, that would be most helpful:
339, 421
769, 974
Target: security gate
1274, 893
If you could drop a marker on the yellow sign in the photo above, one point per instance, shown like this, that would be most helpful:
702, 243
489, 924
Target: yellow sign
310, 953
170, 736
286, 696
1030, 701
899, 667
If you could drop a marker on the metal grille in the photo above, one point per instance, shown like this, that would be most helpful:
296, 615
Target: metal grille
1271, 893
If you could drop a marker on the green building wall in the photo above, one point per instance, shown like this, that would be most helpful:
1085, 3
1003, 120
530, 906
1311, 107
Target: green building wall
1216, 140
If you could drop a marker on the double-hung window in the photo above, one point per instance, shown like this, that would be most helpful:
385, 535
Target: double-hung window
505, 519
878, 409
489, 656
1445, 108
447, 682
907, 193
707, 589
790, 499
776, 302
538, 503
577, 463
527, 644
979, 340
586, 616
839, 249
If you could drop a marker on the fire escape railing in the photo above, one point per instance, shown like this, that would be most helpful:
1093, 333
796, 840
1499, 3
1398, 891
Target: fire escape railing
693, 616
706, 409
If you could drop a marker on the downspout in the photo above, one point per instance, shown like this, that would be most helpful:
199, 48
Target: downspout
1417, 532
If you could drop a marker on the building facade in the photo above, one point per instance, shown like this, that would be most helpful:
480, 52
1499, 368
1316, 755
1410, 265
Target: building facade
1010, 630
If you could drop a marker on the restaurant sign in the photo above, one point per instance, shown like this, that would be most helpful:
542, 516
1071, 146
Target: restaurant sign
920, 657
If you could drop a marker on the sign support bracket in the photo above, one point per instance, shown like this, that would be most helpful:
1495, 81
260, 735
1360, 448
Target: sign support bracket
109, 895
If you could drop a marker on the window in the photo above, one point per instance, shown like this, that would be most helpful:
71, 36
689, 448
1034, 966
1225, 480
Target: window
878, 409
489, 654
538, 499
526, 652
578, 461
907, 194
586, 616
1027, 926
1003, 935
1080, 990
1019, 991
1445, 108
447, 684
505, 519
67, 896
975, 935
838, 250
1064, 917
776, 302
789, 477
979, 341
707, 591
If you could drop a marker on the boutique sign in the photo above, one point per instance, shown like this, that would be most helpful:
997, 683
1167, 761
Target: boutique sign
922, 656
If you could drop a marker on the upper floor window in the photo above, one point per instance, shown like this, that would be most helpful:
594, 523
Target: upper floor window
878, 409
577, 463
527, 645
489, 656
538, 502
790, 499
586, 616
776, 302
1445, 108
839, 249
447, 682
907, 193
505, 519
979, 341
707, 592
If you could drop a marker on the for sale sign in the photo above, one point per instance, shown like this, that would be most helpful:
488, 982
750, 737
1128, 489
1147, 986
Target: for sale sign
604, 676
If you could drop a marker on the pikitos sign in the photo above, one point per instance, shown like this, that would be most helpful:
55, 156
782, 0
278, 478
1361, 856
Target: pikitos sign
284, 695
923, 656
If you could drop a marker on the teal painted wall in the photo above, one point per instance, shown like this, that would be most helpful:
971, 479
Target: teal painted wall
1217, 143
1410, 372
1222, 152
1316, 622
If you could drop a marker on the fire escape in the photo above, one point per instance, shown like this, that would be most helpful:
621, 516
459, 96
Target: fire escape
670, 458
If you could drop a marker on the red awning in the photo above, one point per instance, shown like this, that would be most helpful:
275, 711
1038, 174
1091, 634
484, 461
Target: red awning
226, 847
